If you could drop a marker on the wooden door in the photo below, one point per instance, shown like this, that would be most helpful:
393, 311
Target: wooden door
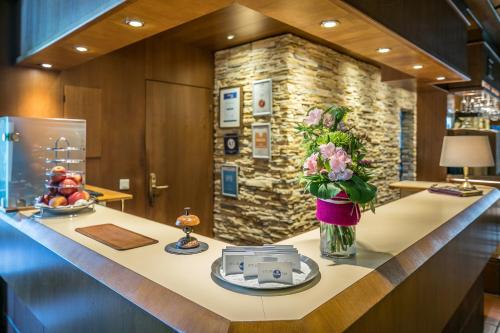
179, 151
85, 103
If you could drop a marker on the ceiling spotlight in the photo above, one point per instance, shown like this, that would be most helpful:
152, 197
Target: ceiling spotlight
230, 37
134, 23
418, 66
46, 65
329, 24
383, 50
441, 78
81, 48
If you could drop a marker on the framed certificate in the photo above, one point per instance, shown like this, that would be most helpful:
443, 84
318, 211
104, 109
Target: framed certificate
230, 107
229, 180
261, 141
231, 144
262, 97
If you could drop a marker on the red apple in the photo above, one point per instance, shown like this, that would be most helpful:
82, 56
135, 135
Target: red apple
58, 174
58, 201
86, 195
68, 187
75, 197
76, 177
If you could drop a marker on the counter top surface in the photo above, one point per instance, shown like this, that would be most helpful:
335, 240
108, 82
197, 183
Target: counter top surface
380, 236
415, 185
109, 195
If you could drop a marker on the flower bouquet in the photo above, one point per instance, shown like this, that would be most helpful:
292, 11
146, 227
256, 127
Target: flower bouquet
337, 174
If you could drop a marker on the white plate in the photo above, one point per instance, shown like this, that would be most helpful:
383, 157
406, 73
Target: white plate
64, 210
308, 271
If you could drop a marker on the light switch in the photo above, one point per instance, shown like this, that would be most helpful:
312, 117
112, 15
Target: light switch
124, 184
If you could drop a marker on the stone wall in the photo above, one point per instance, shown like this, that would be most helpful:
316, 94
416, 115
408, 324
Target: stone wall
271, 205
408, 145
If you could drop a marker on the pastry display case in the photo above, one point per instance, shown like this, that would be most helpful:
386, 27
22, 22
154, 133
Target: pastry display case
30, 148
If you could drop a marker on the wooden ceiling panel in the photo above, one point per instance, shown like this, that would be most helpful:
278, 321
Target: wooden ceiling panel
211, 31
109, 33
206, 24
357, 33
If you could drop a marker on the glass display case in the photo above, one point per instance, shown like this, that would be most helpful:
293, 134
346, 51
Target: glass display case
30, 149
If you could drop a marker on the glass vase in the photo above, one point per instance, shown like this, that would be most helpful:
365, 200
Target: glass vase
337, 241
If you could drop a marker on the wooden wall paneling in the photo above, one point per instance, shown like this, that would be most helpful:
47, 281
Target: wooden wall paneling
109, 33
30, 93
469, 317
93, 174
86, 103
431, 128
24, 91
171, 61
179, 150
120, 77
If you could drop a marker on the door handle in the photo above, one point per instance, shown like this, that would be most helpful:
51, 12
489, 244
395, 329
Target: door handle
153, 187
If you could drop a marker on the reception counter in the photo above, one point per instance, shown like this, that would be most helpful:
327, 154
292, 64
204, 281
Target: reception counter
418, 259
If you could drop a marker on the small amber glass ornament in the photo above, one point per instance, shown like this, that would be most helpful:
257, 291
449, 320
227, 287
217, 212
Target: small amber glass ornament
187, 222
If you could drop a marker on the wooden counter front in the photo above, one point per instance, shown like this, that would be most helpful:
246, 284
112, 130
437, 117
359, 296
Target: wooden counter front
417, 259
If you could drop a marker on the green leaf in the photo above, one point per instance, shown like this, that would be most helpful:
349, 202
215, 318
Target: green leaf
333, 190
314, 188
323, 192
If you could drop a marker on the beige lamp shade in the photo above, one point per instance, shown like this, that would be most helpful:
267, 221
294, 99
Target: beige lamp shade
466, 151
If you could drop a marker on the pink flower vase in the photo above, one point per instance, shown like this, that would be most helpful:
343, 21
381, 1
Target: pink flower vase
338, 218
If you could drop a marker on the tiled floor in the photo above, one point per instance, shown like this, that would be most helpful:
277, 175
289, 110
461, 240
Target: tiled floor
491, 313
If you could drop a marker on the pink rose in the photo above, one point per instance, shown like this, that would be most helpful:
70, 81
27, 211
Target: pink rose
341, 154
327, 120
314, 117
327, 151
311, 165
339, 161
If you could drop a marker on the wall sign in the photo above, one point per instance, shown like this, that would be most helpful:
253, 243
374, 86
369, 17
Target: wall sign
231, 144
261, 141
229, 180
262, 97
230, 107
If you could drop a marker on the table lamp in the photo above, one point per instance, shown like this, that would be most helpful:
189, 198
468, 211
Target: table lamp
466, 151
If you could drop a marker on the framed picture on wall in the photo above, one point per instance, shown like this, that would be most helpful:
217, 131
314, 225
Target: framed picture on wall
262, 97
261, 141
230, 107
231, 144
229, 180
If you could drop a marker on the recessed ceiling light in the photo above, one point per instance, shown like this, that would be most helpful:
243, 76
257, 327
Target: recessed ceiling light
441, 78
46, 65
134, 23
81, 48
418, 66
230, 37
329, 24
383, 50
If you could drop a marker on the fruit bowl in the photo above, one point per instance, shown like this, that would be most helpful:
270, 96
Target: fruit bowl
65, 210
65, 193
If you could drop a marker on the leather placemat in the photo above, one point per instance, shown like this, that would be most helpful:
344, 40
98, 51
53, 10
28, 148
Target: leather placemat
116, 237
